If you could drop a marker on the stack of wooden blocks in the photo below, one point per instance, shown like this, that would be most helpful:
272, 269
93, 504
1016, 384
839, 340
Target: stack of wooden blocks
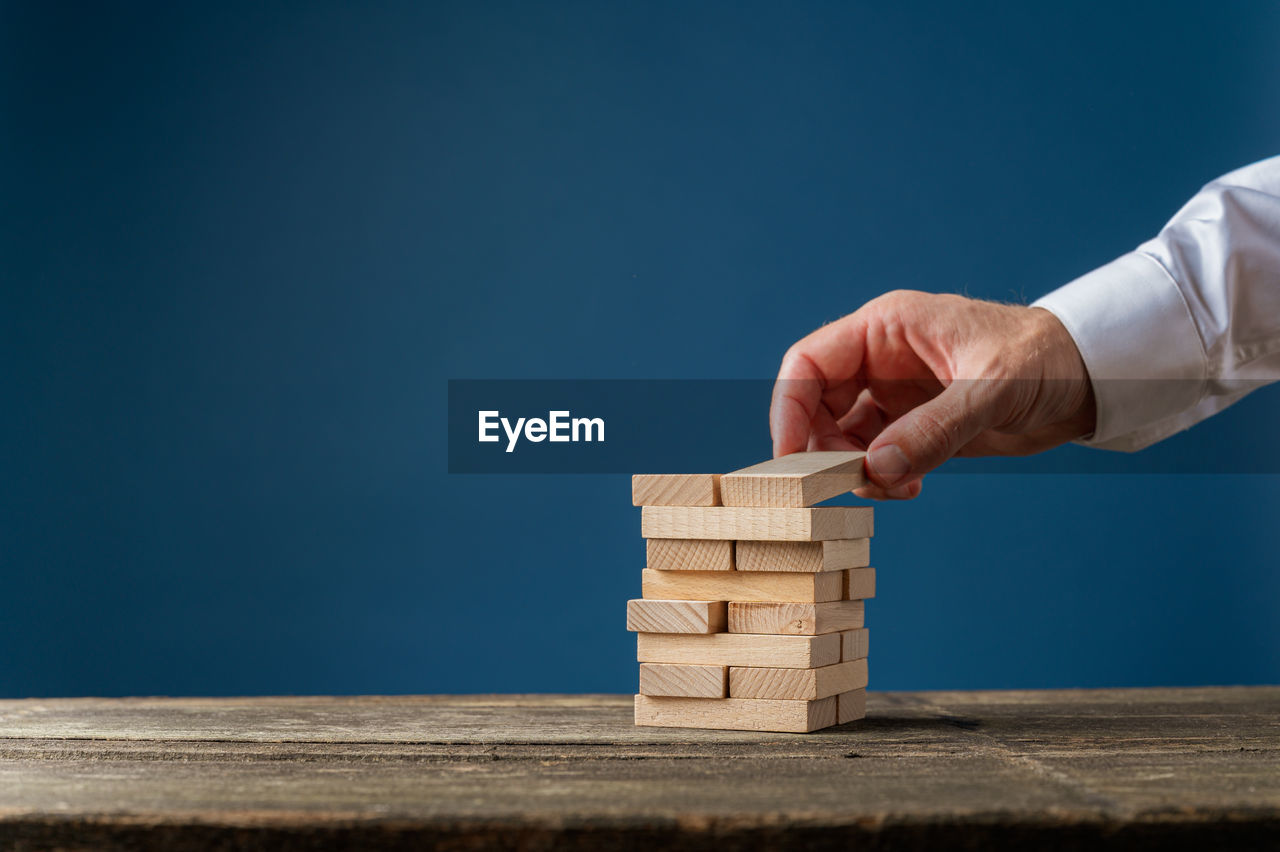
752, 609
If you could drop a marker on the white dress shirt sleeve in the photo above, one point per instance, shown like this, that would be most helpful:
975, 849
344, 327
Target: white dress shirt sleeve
1189, 322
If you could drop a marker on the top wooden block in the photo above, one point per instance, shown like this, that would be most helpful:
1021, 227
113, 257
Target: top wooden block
675, 489
794, 481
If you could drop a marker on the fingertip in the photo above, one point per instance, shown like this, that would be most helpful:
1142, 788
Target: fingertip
887, 465
789, 425
910, 491
871, 492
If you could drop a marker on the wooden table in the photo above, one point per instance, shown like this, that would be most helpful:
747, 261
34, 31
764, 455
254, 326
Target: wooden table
982, 770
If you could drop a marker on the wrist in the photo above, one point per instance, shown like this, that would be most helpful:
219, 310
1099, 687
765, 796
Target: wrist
1063, 368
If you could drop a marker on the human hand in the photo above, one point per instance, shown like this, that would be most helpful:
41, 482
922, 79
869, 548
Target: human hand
916, 378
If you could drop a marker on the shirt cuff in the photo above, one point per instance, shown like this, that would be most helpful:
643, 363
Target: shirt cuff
1135, 333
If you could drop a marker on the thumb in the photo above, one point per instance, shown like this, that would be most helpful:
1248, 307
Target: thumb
931, 433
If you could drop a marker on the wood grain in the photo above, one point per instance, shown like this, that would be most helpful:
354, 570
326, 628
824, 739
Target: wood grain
797, 684
796, 619
736, 714
684, 681
854, 644
677, 616
689, 554
741, 586
741, 649
807, 556
851, 706
859, 584
800, 479
1079, 769
757, 524
675, 489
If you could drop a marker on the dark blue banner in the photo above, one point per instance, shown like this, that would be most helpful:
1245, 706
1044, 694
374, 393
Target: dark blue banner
672, 425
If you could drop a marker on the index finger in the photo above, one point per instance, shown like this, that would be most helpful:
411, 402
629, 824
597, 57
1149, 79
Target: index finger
826, 357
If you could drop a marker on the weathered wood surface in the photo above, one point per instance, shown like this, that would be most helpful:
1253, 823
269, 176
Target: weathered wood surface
1060, 770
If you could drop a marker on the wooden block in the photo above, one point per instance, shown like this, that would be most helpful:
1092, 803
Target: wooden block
736, 714
676, 616
800, 479
684, 681
807, 556
851, 706
859, 584
741, 586
794, 619
741, 649
796, 684
688, 554
854, 644
675, 489
756, 524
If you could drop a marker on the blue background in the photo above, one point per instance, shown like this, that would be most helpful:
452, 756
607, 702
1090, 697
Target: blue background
243, 248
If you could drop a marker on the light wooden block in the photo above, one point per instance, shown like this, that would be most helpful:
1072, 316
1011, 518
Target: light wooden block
757, 524
800, 479
741, 649
741, 586
854, 644
736, 714
677, 616
675, 489
796, 684
684, 681
689, 554
794, 619
804, 556
859, 584
851, 706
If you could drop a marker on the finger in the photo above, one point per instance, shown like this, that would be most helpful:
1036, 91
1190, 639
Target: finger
931, 433
828, 356
900, 492
826, 433
840, 398
864, 421
794, 404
